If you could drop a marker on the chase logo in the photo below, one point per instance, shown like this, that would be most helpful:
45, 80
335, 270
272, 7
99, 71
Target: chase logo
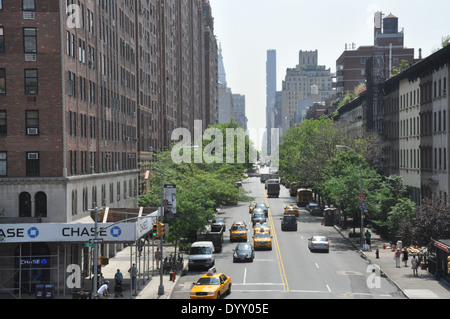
33, 232
115, 231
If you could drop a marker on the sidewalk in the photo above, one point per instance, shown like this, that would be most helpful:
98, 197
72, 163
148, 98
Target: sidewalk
422, 287
147, 283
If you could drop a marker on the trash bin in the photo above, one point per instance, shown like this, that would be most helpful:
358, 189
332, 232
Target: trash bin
40, 291
328, 217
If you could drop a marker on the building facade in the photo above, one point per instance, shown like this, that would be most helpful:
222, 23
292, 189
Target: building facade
388, 52
89, 89
415, 119
307, 80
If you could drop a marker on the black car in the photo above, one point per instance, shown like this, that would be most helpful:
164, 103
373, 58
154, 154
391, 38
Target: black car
264, 208
289, 222
243, 252
258, 216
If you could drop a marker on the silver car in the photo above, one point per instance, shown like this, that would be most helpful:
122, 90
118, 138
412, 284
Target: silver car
319, 243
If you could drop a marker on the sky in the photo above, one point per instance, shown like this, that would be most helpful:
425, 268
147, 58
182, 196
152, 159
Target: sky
246, 29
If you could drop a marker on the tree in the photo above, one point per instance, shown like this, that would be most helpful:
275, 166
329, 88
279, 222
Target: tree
341, 184
432, 220
445, 41
401, 217
305, 150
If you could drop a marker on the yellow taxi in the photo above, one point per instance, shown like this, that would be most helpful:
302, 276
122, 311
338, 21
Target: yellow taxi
251, 207
238, 231
261, 226
292, 210
212, 285
262, 240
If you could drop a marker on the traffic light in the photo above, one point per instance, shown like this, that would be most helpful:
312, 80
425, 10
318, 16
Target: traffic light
155, 230
158, 230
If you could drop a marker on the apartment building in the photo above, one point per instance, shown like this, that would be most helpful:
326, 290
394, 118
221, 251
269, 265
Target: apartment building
388, 52
307, 80
415, 118
88, 89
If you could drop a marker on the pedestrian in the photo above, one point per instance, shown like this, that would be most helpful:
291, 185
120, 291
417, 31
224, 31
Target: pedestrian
118, 277
368, 236
103, 291
405, 257
415, 266
397, 258
133, 274
157, 257
118, 286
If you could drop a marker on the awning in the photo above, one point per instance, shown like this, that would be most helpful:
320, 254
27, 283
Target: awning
111, 232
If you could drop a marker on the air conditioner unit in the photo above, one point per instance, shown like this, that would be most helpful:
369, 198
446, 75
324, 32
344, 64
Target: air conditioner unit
32, 131
33, 156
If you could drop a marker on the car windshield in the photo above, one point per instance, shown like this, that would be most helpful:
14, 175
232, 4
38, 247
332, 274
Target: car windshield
262, 235
263, 206
258, 215
207, 281
238, 228
243, 247
261, 226
319, 239
200, 250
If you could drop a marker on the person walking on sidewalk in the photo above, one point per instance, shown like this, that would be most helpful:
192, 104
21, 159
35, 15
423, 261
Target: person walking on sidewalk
415, 265
397, 258
405, 257
368, 236
133, 274
157, 257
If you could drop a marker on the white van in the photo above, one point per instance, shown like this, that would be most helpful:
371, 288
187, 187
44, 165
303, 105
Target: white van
201, 254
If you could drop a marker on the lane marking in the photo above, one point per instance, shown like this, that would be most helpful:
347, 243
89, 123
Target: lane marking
277, 247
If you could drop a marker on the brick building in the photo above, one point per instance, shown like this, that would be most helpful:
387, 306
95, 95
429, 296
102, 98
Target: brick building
88, 89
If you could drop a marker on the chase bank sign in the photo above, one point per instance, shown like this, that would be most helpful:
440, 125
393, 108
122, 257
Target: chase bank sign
107, 232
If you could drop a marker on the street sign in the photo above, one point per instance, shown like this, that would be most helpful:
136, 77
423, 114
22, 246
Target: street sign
361, 197
88, 244
98, 241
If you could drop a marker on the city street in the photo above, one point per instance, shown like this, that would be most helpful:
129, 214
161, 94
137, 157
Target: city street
290, 270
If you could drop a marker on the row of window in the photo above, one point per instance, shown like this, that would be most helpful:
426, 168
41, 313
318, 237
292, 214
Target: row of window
29, 40
31, 122
108, 161
31, 160
129, 189
30, 81
425, 158
27, 5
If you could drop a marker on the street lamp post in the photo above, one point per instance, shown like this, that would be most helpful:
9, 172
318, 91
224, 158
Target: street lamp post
360, 192
95, 242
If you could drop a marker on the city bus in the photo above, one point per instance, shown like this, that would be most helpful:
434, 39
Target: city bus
304, 197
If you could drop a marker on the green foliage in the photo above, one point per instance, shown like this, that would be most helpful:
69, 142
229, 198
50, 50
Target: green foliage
305, 150
201, 186
404, 210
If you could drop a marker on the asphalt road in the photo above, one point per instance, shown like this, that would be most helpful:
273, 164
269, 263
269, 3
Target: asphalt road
290, 270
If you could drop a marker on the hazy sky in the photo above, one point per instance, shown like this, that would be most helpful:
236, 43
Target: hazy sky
246, 29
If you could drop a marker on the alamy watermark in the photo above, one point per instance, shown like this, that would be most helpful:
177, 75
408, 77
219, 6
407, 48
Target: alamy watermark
231, 148
74, 16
